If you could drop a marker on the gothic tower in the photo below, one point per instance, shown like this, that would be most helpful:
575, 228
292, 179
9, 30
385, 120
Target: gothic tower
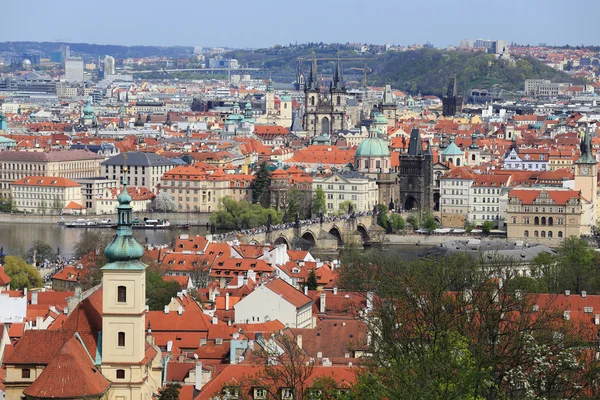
325, 111
416, 176
586, 174
451, 102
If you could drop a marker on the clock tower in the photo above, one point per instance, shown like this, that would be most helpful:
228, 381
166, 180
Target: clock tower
586, 174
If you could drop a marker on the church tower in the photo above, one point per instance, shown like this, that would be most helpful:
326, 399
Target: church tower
269, 99
388, 106
124, 310
586, 174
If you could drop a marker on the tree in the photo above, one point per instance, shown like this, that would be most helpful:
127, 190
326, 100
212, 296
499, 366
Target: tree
318, 202
260, 185
413, 221
164, 202
345, 205
158, 291
93, 242
200, 273
447, 328
293, 205
170, 392
41, 251
397, 222
577, 264
284, 365
22, 275
487, 227
429, 223
237, 214
311, 280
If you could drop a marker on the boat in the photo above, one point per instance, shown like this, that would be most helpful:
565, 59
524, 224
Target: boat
151, 224
81, 223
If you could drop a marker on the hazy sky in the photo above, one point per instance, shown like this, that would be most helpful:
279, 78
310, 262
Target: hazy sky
261, 23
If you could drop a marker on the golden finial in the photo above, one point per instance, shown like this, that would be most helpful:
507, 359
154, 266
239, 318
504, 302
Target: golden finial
125, 162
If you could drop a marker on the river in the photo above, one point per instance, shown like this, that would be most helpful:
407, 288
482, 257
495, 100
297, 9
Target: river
17, 239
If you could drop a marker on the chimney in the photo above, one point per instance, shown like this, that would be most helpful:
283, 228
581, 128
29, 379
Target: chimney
198, 383
215, 320
78, 292
181, 357
583, 294
167, 309
369, 301
567, 292
335, 290
34, 298
322, 302
169, 346
229, 322
597, 319
38, 322
305, 290
180, 310
299, 341
226, 301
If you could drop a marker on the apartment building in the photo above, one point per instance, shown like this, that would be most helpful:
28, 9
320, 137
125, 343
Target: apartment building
46, 194
194, 188
142, 169
70, 164
487, 193
455, 196
342, 186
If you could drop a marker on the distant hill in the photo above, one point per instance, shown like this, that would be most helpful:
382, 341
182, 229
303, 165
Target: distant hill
97, 50
428, 71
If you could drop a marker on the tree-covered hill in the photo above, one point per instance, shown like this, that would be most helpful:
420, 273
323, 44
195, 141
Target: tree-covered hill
425, 70
428, 71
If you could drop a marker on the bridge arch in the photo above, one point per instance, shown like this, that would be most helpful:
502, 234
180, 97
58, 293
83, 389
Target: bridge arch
283, 240
364, 232
335, 231
310, 237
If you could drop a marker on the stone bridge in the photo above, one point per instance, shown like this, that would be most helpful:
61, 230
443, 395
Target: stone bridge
329, 235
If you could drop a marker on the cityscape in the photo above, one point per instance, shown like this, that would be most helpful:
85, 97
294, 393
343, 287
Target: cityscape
324, 219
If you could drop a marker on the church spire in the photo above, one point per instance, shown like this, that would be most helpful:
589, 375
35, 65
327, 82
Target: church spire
585, 146
124, 252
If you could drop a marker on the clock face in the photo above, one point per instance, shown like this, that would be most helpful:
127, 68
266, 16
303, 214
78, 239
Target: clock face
585, 171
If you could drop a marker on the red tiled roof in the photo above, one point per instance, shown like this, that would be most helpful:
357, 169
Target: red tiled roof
560, 197
289, 293
4, 279
46, 181
70, 374
189, 321
36, 347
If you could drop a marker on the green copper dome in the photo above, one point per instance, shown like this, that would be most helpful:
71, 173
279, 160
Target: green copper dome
452, 149
124, 252
373, 147
381, 119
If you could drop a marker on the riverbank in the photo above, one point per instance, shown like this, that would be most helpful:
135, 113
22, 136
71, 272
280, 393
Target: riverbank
433, 240
192, 218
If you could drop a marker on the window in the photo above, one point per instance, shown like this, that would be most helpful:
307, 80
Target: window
287, 394
25, 373
120, 374
121, 294
260, 393
526, 233
121, 339
560, 234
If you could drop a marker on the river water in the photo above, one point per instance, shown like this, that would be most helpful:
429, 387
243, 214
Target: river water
17, 239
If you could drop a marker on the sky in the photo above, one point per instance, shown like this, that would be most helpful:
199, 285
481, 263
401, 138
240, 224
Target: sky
264, 23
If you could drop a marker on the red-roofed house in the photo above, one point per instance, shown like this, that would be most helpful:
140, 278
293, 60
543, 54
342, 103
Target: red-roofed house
276, 300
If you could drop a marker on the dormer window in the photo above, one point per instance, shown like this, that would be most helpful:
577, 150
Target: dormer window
287, 394
259, 393
231, 392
